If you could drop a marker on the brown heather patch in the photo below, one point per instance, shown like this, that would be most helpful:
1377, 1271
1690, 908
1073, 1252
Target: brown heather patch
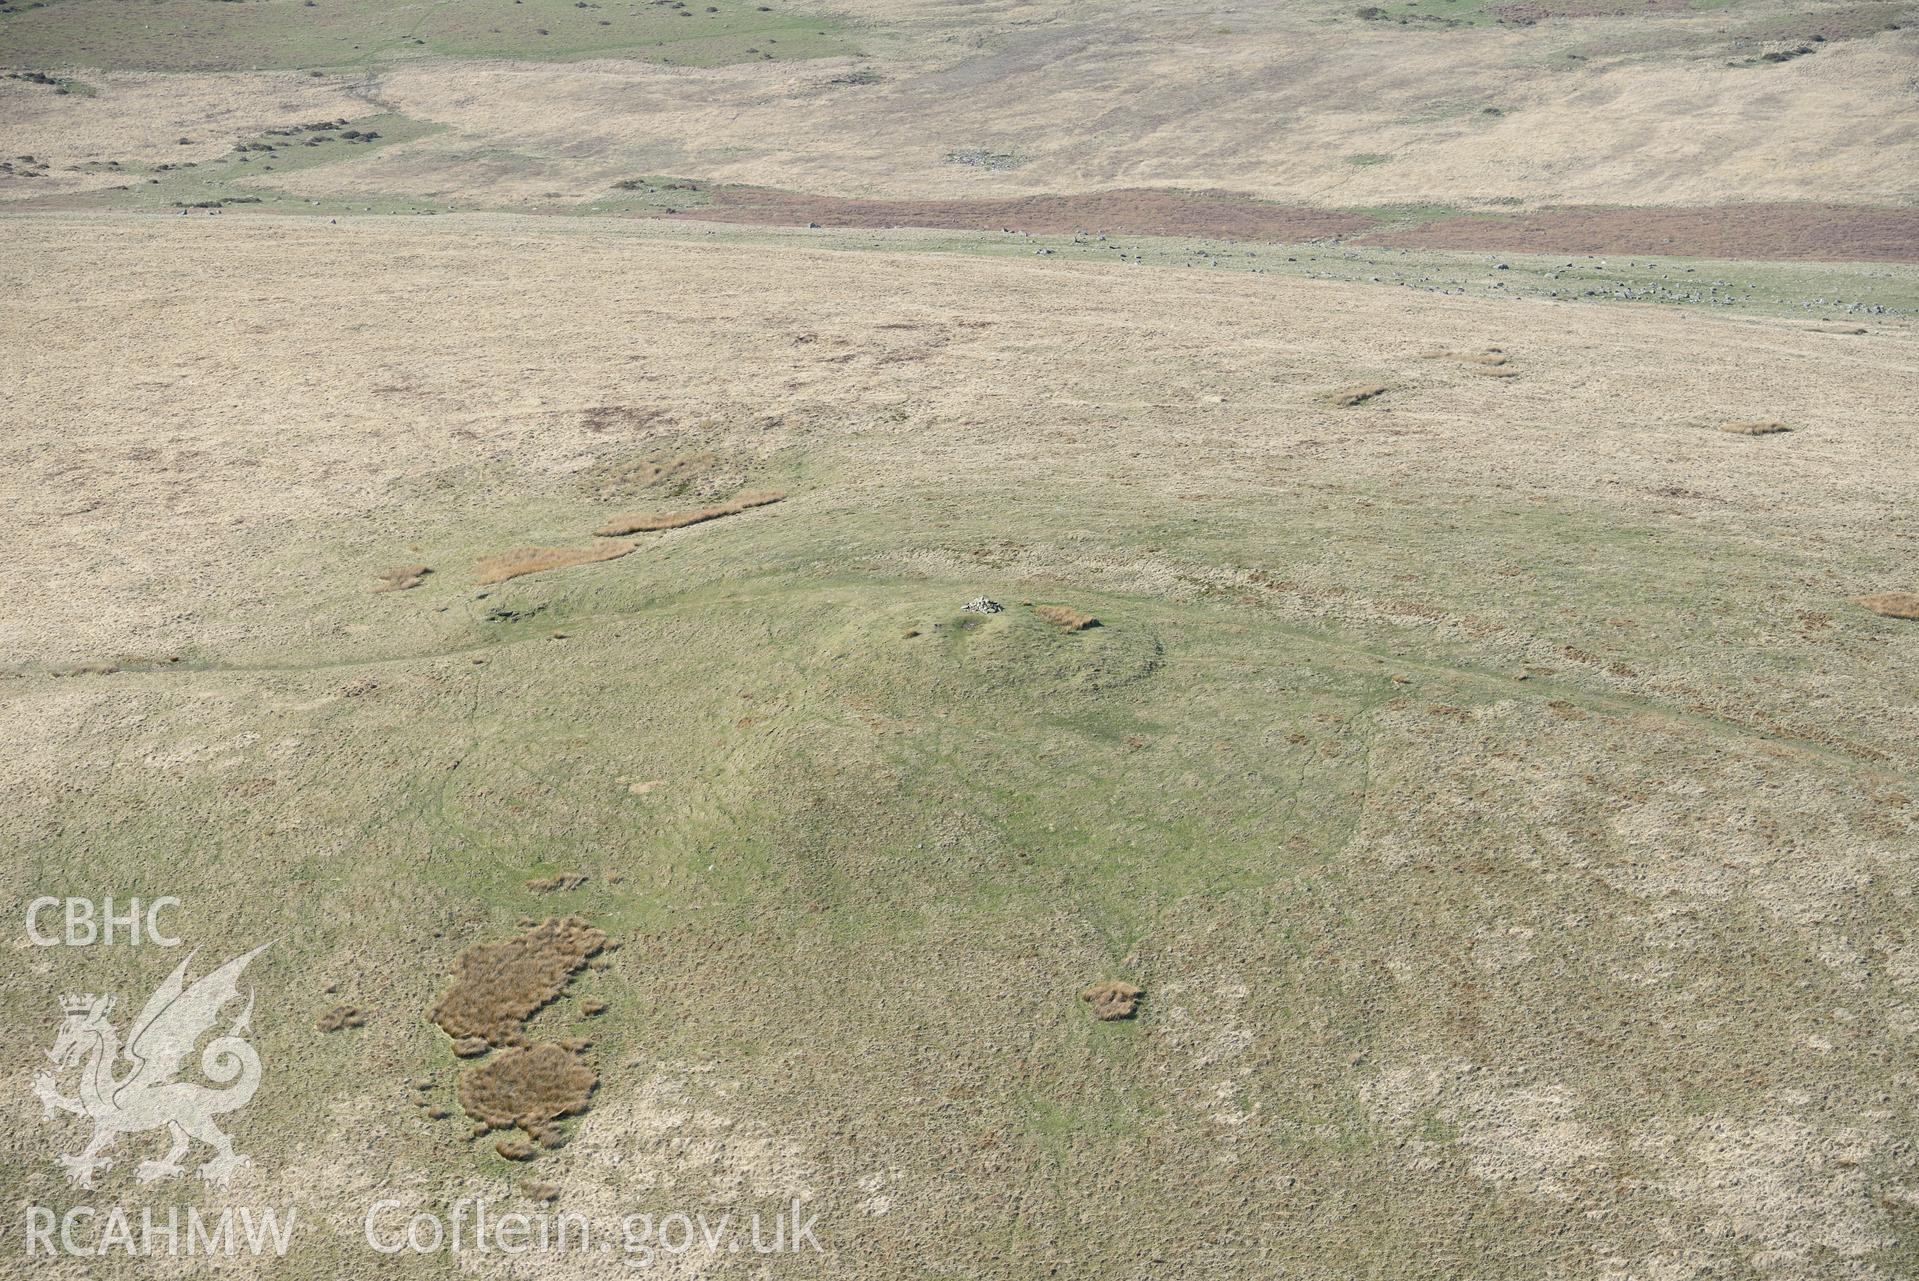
340, 1017
536, 560
636, 523
1754, 427
1357, 394
498, 986
1779, 232
402, 577
529, 1087
545, 1192
1892, 604
1112, 999
1071, 619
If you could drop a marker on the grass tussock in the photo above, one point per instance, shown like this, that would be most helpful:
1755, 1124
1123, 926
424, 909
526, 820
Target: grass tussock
537, 560
637, 523
402, 577
1357, 394
1071, 619
498, 986
1754, 427
1112, 999
1892, 604
529, 1087
340, 1017
1488, 361
558, 882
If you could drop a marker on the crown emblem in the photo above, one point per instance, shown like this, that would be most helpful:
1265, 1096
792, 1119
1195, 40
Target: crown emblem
78, 1003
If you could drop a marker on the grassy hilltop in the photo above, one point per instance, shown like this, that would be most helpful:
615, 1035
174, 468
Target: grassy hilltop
1447, 486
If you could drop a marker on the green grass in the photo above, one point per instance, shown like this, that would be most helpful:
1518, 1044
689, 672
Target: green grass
243, 175
882, 867
202, 35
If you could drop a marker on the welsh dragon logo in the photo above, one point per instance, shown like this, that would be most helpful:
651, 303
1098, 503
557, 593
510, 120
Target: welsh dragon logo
132, 1090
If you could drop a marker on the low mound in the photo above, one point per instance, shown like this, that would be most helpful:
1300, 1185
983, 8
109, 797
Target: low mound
402, 577
1754, 427
1021, 654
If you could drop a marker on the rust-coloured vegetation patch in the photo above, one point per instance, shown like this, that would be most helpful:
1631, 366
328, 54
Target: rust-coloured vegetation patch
1071, 619
535, 560
1776, 232
498, 986
635, 524
1754, 427
1892, 604
402, 577
529, 1087
1357, 394
1113, 999
1136, 211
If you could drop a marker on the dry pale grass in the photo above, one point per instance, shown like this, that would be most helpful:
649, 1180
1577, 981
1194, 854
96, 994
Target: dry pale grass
559, 881
1892, 604
1678, 130
1071, 619
402, 577
498, 986
635, 524
1754, 427
638, 474
1490, 361
1482, 356
1112, 999
536, 560
1357, 394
